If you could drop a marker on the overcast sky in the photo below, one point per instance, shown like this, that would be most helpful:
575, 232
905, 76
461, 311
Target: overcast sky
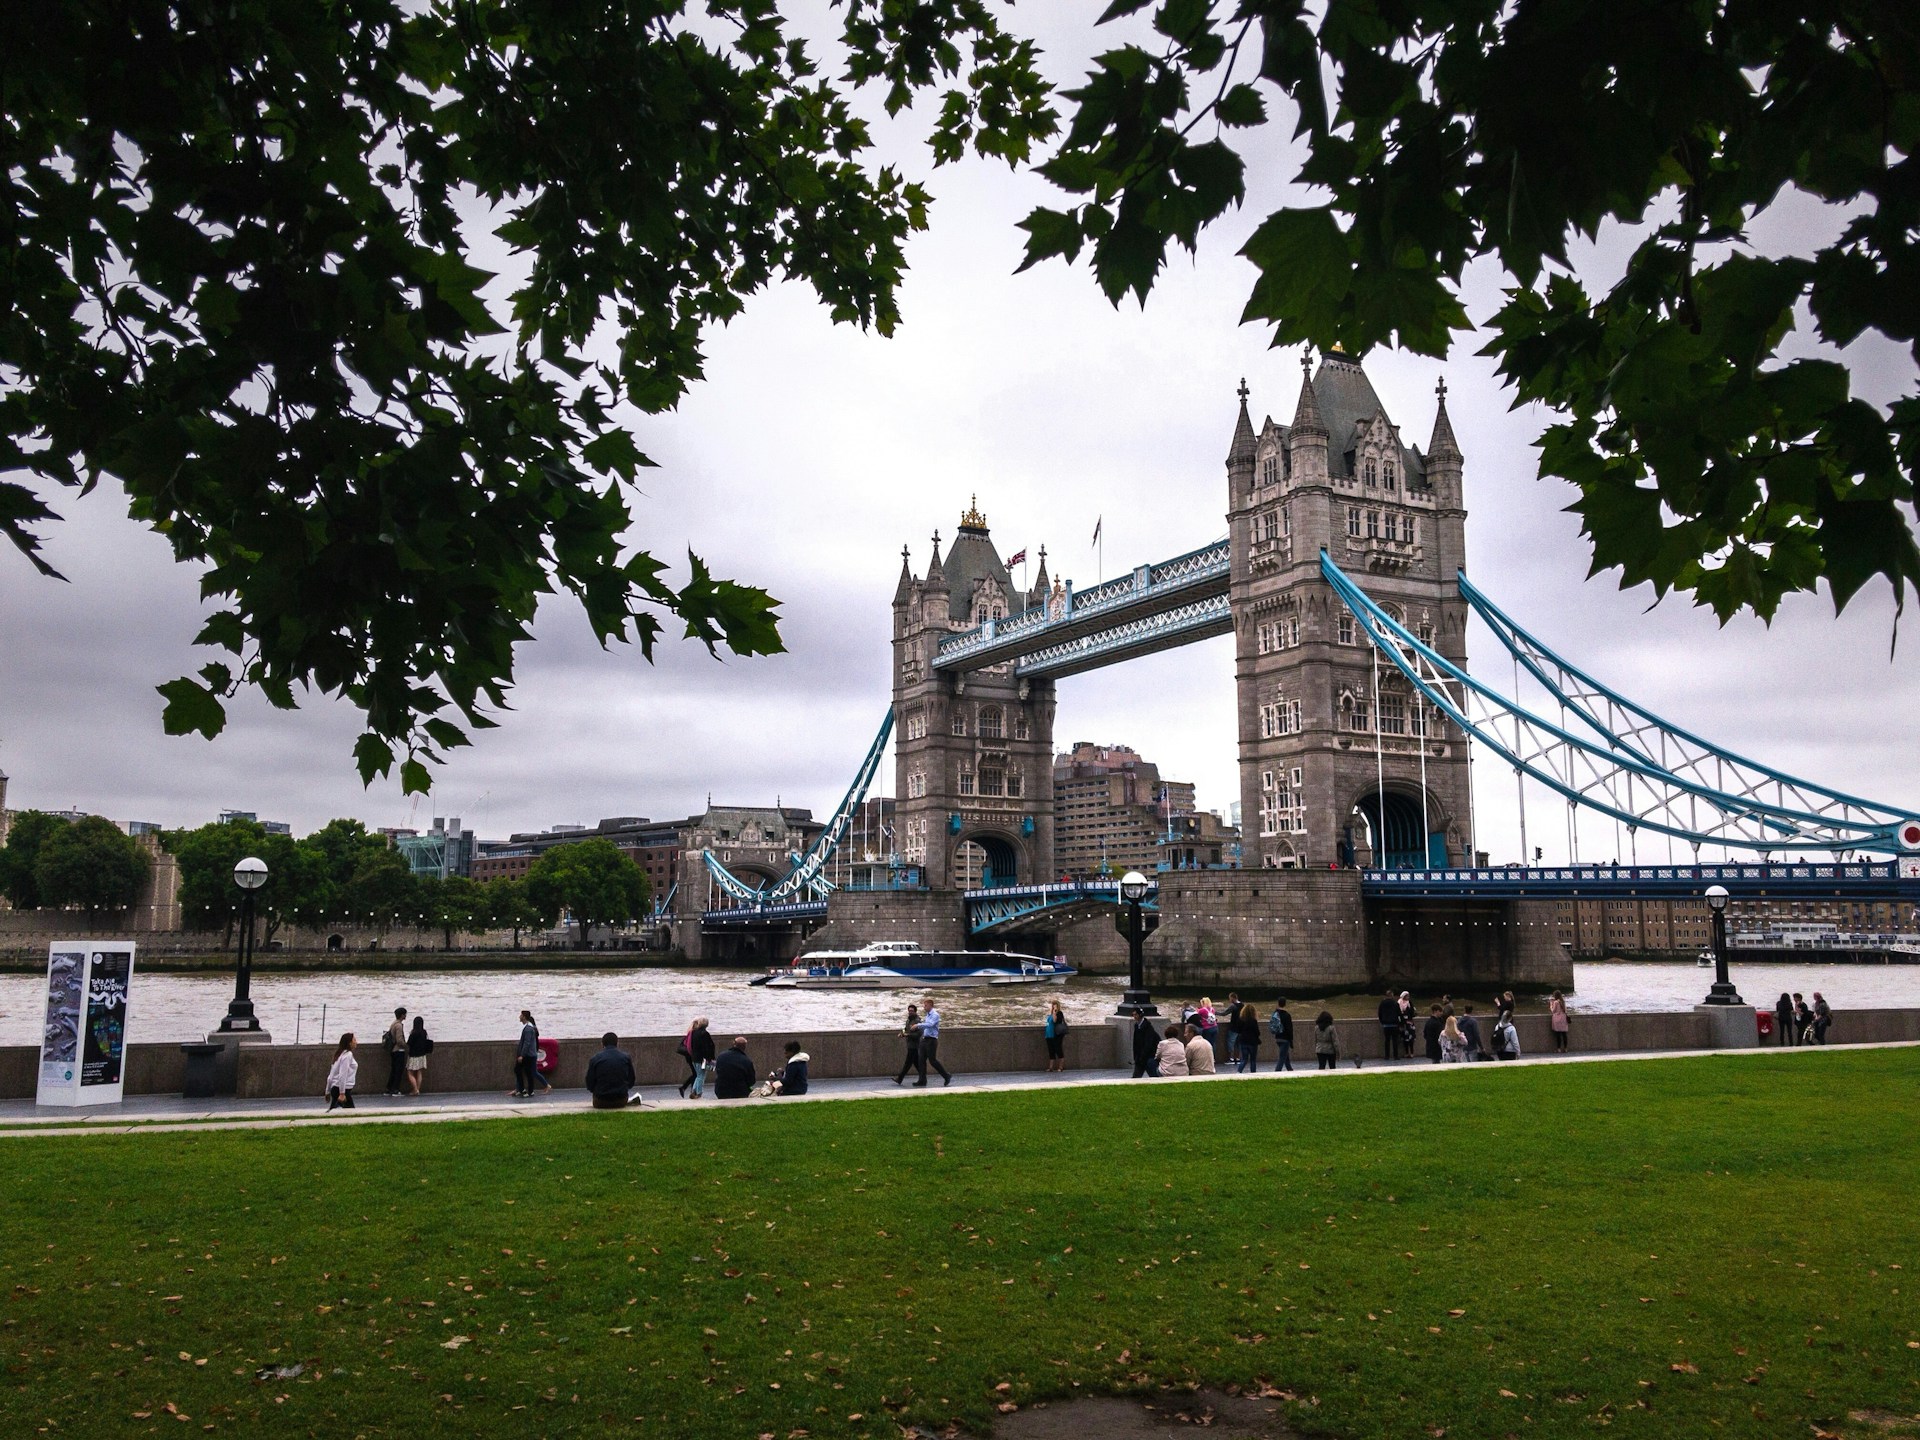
812, 452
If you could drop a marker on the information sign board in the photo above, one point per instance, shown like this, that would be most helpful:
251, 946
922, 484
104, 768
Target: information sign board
83, 1045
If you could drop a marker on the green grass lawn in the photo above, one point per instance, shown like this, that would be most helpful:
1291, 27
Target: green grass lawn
1679, 1247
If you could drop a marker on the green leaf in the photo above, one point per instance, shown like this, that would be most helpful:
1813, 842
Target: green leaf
191, 707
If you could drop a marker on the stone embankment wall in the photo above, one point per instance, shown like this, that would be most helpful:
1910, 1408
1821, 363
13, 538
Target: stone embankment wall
1309, 932
479, 1065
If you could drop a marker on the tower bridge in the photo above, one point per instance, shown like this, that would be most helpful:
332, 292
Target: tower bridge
1342, 580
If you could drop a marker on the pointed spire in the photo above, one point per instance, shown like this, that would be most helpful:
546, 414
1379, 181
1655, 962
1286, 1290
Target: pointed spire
904, 590
936, 576
1443, 447
1242, 447
1306, 417
1040, 582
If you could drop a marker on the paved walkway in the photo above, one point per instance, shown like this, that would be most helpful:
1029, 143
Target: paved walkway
171, 1113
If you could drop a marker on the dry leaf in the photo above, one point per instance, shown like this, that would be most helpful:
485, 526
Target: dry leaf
1684, 1367
455, 1343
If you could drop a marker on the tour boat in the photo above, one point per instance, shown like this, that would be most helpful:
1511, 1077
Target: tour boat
905, 965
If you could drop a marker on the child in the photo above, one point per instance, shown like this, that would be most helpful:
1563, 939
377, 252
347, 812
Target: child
1326, 1048
340, 1078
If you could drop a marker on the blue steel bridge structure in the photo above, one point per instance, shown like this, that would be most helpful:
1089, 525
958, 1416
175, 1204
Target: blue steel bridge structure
1588, 744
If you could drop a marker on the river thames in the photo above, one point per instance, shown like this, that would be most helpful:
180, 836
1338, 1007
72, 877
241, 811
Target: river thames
476, 1005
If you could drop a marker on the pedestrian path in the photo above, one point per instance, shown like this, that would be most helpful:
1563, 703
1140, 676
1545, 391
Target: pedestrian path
174, 1113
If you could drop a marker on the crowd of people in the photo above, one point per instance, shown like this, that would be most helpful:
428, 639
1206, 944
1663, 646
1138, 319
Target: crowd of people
1189, 1045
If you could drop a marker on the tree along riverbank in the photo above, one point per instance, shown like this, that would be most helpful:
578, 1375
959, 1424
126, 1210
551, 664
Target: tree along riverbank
323, 962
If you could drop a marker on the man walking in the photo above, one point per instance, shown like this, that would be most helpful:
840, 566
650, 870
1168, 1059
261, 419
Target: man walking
930, 1044
1390, 1027
1281, 1023
1470, 1027
397, 1053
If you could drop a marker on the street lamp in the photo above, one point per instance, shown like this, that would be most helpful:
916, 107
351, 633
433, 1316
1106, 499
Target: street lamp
1722, 991
1133, 889
250, 874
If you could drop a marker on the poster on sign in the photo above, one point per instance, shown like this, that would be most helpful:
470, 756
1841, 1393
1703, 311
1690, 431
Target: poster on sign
1910, 869
83, 1046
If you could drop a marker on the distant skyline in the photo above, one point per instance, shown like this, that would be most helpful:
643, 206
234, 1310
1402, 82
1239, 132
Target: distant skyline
812, 453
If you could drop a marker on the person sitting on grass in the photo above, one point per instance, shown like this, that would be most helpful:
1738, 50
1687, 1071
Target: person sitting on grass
733, 1072
340, 1078
791, 1078
610, 1077
1171, 1053
1199, 1052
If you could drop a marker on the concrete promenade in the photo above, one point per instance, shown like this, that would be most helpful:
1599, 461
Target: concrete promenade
172, 1114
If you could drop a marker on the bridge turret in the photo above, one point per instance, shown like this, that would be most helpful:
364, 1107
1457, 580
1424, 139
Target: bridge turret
1307, 436
1443, 457
903, 592
1241, 452
1037, 597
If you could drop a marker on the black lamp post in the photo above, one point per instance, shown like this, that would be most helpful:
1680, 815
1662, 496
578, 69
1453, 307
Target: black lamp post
1133, 889
1722, 991
250, 874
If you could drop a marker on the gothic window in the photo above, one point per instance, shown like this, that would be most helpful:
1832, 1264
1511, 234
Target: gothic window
1296, 777
1371, 474
981, 614
1269, 524
1393, 526
993, 780
959, 722
1286, 520
1393, 715
1020, 728
1344, 628
1373, 524
1293, 631
1410, 529
1388, 475
916, 725
1355, 707
1016, 785
1420, 713
917, 785
1353, 521
1270, 470
1424, 630
966, 782
990, 722
1270, 813
1266, 779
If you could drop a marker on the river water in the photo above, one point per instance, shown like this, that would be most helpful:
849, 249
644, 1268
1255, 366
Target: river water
477, 1005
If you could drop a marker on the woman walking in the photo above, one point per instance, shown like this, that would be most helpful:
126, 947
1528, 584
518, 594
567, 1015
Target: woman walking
696, 1048
419, 1046
1326, 1046
1056, 1033
1557, 1020
340, 1078
1246, 1029
524, 1054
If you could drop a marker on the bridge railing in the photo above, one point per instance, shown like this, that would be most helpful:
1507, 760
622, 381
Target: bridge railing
1208, 562
1705, 874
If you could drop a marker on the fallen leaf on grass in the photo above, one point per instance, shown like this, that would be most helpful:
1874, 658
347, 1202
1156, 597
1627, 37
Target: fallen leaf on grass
1456, 1313
1508, 1395
1006, 1407
1684, 1367
455, 1343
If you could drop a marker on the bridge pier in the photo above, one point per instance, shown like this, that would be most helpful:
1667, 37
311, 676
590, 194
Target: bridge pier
1311, 932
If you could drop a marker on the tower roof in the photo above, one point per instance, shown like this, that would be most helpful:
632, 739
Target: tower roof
1306, 415
971, 560
1041, 584
1343, 399
1242, 446
936, 572
1442, 446
904, 590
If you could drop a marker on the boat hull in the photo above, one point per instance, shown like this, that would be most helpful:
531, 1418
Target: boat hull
879, 978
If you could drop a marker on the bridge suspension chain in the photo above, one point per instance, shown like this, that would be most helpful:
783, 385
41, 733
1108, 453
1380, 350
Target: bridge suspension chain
1624, 775
807, 877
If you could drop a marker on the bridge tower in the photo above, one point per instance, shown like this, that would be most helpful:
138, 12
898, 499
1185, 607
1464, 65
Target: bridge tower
973, 753
1331, 764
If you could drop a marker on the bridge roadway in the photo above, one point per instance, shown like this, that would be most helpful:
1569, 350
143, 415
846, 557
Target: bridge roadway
1153, 607
1008, 908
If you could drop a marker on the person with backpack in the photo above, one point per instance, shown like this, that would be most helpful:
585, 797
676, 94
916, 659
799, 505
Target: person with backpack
1506, 1039
1281, 1024
1822, 1018
696, 1048
1055, 1030
396, 1037
419, 1047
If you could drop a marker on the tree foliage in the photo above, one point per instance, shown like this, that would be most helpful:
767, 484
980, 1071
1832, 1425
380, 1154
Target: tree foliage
1712, 456
90, 865
27, 835
354, 301
205, 857
590, 880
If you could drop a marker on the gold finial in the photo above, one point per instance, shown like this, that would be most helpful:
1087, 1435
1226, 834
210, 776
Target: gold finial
973, 519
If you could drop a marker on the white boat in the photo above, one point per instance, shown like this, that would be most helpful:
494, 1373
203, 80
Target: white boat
906, 965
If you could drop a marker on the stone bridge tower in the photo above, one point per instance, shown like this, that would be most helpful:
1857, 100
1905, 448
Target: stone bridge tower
973, 753
1330, 755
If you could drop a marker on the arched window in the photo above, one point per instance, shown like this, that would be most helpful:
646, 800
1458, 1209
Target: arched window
1370, 473
959, 721
1021, 731
990, 722
1270, 470
1388, 474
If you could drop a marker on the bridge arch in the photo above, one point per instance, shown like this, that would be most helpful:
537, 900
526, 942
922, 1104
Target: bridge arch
983, 859
1401, 834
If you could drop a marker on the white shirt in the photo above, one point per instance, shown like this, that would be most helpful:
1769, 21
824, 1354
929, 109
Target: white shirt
345, 1071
